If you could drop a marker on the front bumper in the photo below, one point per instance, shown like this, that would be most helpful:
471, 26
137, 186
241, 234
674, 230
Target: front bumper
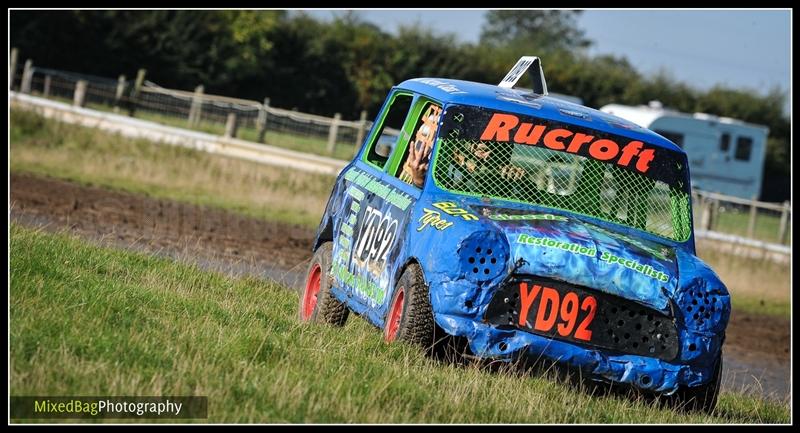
541, 318
644, 372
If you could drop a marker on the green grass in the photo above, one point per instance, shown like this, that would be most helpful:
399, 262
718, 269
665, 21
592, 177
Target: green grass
759, 305
736, 221
757, 286
301, 143
90, 156
766, 227
87, 320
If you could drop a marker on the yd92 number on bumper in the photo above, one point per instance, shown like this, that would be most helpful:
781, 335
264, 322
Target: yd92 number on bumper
567, 312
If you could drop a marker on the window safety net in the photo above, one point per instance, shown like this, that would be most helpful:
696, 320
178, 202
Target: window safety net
570, 182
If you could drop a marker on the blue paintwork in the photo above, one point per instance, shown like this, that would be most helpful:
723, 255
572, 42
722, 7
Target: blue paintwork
544, 107
377, 234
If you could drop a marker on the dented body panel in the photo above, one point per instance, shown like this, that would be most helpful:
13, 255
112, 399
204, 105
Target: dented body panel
520, 279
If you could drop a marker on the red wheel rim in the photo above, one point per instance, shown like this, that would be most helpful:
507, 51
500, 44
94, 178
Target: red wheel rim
312, 290
395, 315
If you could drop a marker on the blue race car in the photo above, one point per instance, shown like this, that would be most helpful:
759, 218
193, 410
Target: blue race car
525, 225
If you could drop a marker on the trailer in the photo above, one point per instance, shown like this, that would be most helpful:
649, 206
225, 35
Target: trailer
726, 155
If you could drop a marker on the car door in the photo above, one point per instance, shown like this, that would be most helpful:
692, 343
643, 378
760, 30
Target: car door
373, 214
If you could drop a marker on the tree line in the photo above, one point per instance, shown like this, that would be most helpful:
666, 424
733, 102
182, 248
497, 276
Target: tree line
347, 64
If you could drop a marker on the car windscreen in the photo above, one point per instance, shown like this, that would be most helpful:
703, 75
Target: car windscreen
483, 152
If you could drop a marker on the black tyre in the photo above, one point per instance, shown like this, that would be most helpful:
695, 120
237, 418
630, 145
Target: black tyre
316, 302
410, 315
700, 398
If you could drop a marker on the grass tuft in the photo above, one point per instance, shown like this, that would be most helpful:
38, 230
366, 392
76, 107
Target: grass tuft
87, 320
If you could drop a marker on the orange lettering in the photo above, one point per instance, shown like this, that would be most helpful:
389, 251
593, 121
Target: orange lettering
583, 332
527, 299
551, 138
525, 135
643, 164
629, 151
549, 303
603, 150
499, 127
577, 141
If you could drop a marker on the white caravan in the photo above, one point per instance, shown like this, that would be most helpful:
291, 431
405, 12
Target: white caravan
725, 155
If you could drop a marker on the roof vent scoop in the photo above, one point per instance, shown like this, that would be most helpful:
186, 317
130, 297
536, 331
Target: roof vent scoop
537, 74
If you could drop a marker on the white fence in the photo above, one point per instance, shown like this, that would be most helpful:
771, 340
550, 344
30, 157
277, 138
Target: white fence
255, 121
136, 128
751, 219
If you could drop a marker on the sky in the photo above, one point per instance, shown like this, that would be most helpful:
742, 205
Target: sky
743, 49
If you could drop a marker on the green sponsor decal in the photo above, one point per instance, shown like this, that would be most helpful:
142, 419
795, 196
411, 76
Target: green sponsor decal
359, 283
433, 219
527, 217
451, 208
552, 243
659, 253
372, 184
344, 242
356, 193
647, 270
605, 256
351, 174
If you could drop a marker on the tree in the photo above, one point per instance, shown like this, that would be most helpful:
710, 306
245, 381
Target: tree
539, 30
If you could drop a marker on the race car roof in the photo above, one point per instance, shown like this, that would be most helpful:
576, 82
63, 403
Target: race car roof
449, 91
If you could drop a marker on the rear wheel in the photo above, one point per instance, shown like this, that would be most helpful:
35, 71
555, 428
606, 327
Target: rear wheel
317, 304
410, 315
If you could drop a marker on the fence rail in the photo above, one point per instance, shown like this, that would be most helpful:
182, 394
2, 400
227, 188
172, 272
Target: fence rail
136, 128
752, 219
259, 122
251, 120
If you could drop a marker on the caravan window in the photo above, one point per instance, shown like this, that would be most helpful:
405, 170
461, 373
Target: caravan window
743, 147
725, 142
672, 136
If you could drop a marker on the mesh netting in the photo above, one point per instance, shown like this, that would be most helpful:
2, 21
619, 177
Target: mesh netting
537, 175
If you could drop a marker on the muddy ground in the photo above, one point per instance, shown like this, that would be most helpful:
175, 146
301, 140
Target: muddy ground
757, 355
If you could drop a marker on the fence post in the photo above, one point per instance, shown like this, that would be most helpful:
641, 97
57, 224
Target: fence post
333, 132
197, 105
12, 68
751, 225
47, 81
714, 214
137, 87
784, 222
231, 126
705, 212
120, 90
79, 98
261, 122
362, 128
27, 76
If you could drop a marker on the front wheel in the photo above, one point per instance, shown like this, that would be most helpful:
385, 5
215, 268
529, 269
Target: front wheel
410, 315
701, 398
317, 304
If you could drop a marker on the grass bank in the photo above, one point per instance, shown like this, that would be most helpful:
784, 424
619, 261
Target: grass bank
87, 320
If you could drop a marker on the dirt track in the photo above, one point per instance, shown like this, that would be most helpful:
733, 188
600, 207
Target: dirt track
757, 347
